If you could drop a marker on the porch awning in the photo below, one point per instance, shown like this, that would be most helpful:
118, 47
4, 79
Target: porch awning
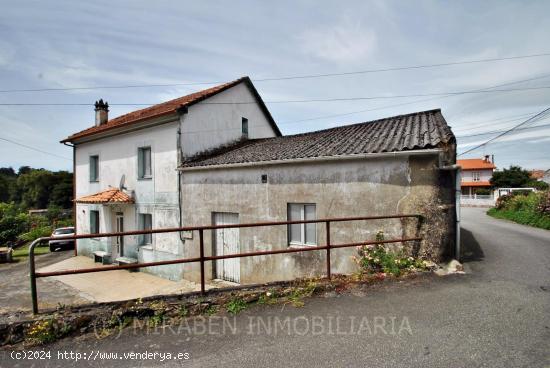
109, 196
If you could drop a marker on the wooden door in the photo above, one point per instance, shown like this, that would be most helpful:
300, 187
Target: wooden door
226, 241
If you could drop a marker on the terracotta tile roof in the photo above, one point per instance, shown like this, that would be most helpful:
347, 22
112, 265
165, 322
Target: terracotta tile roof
475, 163
475, 184
537, 174
419, 130
170, 107
111, 195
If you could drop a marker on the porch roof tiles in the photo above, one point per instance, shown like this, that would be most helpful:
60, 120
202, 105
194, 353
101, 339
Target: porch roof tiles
111, 195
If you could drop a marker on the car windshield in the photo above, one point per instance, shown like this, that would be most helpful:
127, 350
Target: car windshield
63, 231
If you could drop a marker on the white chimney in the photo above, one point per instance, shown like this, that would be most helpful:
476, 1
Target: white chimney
101, 112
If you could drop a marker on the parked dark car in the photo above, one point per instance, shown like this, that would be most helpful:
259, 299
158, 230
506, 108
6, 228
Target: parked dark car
56, 245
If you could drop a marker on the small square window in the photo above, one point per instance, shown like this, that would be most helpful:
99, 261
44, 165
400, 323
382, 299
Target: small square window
146, 223
244, 127
144, 163
94, 222
264, 178
94, 168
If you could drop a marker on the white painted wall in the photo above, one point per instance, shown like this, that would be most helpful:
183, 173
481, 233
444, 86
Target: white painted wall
157, 196
484, 174
208, 125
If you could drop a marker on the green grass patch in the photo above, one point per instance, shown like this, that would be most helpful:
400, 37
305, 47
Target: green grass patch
524, 217
23, 251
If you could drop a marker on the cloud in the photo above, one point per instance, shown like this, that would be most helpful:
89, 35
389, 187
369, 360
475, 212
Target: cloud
347, 42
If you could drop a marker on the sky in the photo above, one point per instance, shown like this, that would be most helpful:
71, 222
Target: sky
67, 44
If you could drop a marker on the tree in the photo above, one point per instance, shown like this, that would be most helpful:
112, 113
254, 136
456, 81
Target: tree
514, 177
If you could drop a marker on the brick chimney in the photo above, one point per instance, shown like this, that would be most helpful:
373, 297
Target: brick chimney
101, 112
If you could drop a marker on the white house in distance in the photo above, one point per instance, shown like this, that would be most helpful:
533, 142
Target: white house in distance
476, 174
125, 168
217, 157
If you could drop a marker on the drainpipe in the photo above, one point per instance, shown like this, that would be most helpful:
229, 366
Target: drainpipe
183, 113
74, 191
458, 192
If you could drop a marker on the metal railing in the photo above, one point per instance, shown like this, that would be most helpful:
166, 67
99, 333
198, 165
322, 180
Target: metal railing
202, 258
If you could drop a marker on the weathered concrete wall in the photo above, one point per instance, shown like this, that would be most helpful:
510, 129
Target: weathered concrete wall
381, 186
217, 121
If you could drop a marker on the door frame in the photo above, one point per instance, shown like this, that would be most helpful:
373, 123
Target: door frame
216, 272
119, 227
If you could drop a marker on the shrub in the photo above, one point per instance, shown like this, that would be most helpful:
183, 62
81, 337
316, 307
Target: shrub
531, 208
35, 233
379, 259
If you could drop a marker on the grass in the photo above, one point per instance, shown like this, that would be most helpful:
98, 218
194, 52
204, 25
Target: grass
524, 217
23, 251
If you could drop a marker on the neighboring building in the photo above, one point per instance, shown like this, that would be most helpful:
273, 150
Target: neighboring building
232, 165
541, 175
476, 174
388, 166
125, 168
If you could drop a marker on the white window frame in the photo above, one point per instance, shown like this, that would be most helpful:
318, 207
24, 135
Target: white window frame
303, 234
96, 159
142, 162
476, 176
145, 239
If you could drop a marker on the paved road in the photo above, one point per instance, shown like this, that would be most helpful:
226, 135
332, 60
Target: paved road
15, 286
498, 315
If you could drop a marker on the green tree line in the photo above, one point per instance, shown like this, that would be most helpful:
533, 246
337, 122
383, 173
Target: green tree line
36, 188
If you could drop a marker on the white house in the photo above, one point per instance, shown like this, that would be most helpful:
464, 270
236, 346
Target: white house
217, 157
126, 174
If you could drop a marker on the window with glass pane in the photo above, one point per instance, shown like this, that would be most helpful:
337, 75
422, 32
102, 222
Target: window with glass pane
301, 234
244, 127
146, 223
94, 222
94, 168
144, 162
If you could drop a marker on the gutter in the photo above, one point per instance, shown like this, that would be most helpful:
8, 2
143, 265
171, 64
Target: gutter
424, 152
74, 190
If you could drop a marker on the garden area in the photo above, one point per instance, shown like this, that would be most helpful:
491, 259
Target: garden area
527, 208
27, 189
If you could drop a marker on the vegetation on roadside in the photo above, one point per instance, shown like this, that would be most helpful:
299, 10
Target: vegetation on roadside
531, 208
516, 177
379, 259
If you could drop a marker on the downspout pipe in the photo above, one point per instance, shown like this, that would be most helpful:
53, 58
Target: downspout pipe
183, 111
74, 191
457, 169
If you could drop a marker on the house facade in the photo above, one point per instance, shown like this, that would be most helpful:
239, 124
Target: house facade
476, 175
385, 167
125, 168
217, 157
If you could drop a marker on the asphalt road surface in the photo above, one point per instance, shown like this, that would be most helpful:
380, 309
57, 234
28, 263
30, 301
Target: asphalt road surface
497, 315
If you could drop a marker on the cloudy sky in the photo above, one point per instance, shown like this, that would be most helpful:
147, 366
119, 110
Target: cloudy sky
66, 44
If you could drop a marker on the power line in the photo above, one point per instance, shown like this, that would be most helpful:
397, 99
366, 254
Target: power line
411, 102
500, 131
337, 99
282, 78
528, 121
34, 149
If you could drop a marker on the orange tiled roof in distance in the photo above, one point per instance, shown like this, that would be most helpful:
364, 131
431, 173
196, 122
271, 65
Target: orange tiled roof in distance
112, 195
537, 174
474, 164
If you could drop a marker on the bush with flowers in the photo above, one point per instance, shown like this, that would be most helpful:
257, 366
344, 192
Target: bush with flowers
378, 259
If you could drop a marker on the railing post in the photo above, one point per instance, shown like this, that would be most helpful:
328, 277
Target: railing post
201, 250
32, 274
327, 227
